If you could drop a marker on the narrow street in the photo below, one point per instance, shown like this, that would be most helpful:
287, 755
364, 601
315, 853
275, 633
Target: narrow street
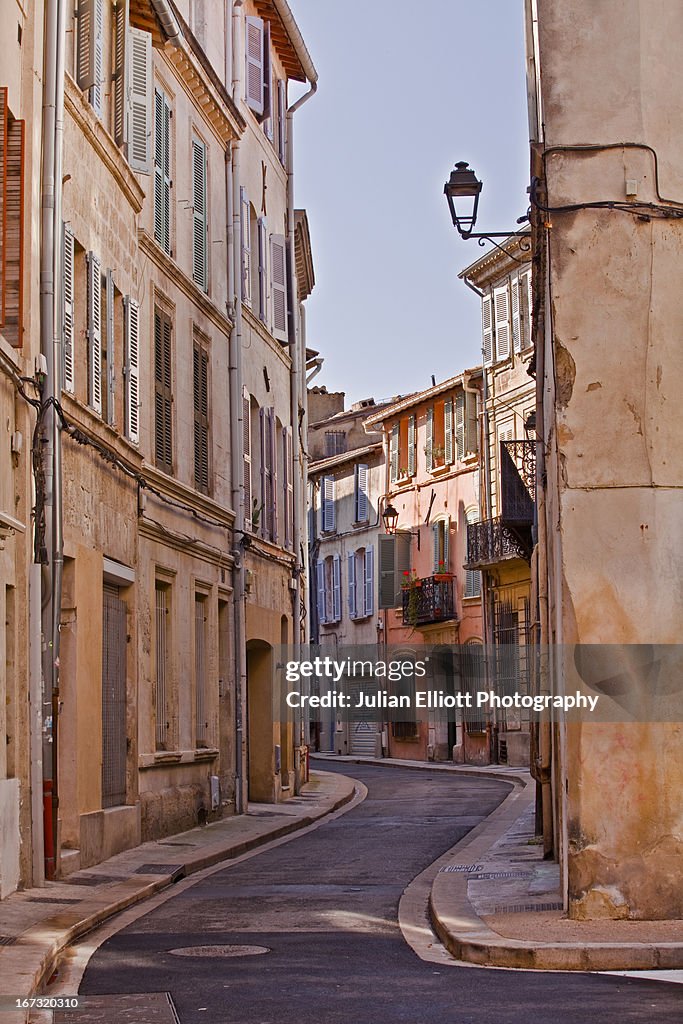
325, 907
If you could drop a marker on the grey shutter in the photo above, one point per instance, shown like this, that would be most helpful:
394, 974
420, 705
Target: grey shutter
246, 453
446, 543
369, 606
199, 218
448, 430
287, 485
320, 588
94, 333
278, 286
336, 587
412, 446
460, 425
436, 545
163, 392
282, 120
362, 509
96, 89
131, 332
262, 450
68, 308
267, 84
120, 83
262, 269
200, 375
329, 517
254, 57
272, 458
501, 303
487, 328
394, 562
85, 60
111, 353
351, 563
245, 244
471, 423
525, 307
515, 311
429, 446
393, 455
162, 174
140, 91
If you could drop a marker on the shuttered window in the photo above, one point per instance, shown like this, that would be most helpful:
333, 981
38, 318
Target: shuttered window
448, 431
471, 423
131, 368
245, 245
163, 393
162, 171
362, 505
278, 286
94, 332
460, 425
351, 573
501, 304
254, 70
109, 353
282, 120
267, 84
472, 576
272, 459
68, 308
525, 308
320, 591
394, 560
440, 544
163, 734
121, 45
200, 390
262, 234
12, 137
369, 566
394, 438
199, 217
487, 328
90, 50
246, 452
336, 588
97, 89
515, 313
287, 485
329, 511
139, 132
201, 695
412, 445
429, 440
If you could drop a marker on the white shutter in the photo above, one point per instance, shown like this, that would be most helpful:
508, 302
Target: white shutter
278, 286
199, 218
288, 488
120, 83
267, 84
262, 270
411, 446
262, 450
471, 423
246, 452
487, 328
131, 334
85, 61
448, 430
320, 587
282, 120
362, 509
369, 580
460, 425
111, 350
329, 517
68, 308
97, 88
140, 92
336, 587
393, 453
245, 242
272, 459
436, 544
351, 563
429, 446
162, 172
94, 333
501, 303
516, 321
525, 307
446, 543
254, 72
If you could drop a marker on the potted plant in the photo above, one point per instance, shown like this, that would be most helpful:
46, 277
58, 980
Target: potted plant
442, 575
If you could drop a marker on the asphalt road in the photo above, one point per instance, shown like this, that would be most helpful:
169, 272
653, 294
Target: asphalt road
325, 906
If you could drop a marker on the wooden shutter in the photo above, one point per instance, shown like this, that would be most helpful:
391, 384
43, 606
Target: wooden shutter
254, 56
460, 425
362, 508
162, 173
440, 542
320, 589
448, 431
351, 564
394, 439
97, 88
429, 445
412, 446
436, 545
140, 93
94, 332
336, 587
501, 303
282, 120
200, 375
272, 458
262, 453
120, 83
329, 518
86, 34
68, 308
246, 454
199, 218
12, 141
163, 394
287, 485
525, 307
245, 244
487, 328
471, 423
369, 596
394, 562
472, 576
267, 84
515, 310
131, 339
110, 349
278, 286
262, 269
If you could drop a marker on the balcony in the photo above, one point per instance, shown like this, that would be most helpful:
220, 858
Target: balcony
517, 481
429, 600
492, 541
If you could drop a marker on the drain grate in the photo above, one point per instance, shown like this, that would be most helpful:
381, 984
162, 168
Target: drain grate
489, 875
467, 868
7, 940
219, 951
523, 908
94, 879
51, 899
159, 869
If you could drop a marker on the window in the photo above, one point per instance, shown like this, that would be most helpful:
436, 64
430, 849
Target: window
361, 583
12, 132
328, 583
268, 437
163, 733
94, 332
335, 442
163, 392
131, 368
278, 286
90, 59
68, 308
287, 486
439, 435
282, 120
328, 505
403, 449
200, 673
393, 553
200, 272
262, 241
440, 544
132, 89
245, 244
361, 501
246, 452
200, 378
162, 171
521, 311
254, 52
472, 576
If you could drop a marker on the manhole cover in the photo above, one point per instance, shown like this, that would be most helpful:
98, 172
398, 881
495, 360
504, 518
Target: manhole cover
219, 951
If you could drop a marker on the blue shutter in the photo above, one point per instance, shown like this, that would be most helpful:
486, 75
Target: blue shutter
336, 587
351, 563
369, 580
412, 459
361, 493
320, 585
328, 505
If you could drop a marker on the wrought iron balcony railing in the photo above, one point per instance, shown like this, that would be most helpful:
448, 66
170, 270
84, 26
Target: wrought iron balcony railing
491, 541
517, 481
430, 599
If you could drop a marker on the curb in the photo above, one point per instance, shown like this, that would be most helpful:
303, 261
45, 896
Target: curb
511, 775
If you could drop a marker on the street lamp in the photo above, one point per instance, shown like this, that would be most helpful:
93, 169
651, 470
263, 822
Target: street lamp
464, 187
390, 519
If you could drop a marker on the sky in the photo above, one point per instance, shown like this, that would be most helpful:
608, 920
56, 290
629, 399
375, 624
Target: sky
405, 90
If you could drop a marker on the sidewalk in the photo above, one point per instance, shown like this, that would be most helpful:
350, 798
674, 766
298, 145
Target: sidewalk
494, 901
36, 925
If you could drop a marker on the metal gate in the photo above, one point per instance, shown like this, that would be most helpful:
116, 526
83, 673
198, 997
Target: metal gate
113, 698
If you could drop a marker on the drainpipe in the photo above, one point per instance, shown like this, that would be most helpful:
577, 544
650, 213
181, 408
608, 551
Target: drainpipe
234, 261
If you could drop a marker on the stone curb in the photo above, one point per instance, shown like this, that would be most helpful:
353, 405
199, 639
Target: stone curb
42, 945
512, 775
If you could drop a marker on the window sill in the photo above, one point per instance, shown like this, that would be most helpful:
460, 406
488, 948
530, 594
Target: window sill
440, 470
403, 481
361, 525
